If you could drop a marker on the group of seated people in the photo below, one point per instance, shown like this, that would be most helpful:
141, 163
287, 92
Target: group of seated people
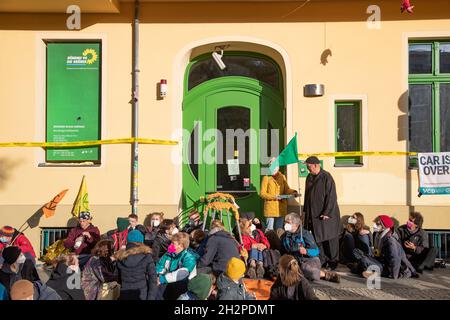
160, 262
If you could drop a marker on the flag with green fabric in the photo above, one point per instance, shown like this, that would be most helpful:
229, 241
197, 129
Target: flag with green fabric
289, 155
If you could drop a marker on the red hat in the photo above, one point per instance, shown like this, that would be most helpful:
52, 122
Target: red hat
386, 221
7, 231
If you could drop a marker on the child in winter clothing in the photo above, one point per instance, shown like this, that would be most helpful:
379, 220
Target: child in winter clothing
162, 240
199, 288
10, 236
291, 284
255, 242
152, 231
175, 268
136, 269
230, 284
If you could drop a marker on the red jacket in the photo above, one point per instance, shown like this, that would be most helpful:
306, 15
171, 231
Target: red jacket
22, 242
258, 237
88, 243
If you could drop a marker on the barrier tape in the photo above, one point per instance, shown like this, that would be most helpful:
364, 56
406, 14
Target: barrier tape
173, 143
358, 154
87, 143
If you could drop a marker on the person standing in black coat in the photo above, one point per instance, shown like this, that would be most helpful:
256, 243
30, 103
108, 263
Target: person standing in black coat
66, 278
415, 242
136, 269
220, 248
167, 229
321, 212
291, 284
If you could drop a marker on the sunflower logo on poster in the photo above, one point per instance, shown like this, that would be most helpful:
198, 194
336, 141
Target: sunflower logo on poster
85, 61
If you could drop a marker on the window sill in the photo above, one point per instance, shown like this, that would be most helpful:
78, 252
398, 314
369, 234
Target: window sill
74, 164
348, 165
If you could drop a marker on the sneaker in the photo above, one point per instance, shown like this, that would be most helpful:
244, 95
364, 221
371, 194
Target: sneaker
332, 277
251, 273
260, 271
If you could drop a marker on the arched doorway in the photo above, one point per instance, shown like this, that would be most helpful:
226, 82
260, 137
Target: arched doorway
233, 121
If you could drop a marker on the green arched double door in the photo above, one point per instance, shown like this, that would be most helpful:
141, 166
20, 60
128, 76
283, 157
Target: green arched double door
230, 124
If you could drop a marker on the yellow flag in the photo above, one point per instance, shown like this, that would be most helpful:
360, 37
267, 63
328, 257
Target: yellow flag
81, 202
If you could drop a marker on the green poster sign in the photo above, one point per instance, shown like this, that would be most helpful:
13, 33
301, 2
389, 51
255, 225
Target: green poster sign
73, 99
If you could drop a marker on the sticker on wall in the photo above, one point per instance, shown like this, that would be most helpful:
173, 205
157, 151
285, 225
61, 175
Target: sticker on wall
233, 167
246, 182
406, 6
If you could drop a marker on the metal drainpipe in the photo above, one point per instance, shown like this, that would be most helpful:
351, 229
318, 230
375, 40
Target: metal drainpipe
135, 104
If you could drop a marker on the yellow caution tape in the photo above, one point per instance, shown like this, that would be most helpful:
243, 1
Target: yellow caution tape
87, 143
358, 154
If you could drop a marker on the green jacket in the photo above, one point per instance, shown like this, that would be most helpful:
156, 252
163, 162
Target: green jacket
176, 267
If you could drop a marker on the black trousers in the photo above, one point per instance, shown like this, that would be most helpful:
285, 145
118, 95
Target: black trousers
425, 259
329, 251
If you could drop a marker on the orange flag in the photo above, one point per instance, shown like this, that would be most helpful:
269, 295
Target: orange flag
50, 207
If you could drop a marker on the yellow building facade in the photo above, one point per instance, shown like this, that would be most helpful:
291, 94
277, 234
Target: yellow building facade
367, 63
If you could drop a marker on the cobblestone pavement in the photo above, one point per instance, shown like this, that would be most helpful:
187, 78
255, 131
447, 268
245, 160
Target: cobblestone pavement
430, 286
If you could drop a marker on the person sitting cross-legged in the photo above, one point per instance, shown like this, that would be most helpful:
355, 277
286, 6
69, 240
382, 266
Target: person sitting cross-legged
175, 268
300, 243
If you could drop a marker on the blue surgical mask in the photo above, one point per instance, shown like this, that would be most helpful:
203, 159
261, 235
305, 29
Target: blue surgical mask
4, 240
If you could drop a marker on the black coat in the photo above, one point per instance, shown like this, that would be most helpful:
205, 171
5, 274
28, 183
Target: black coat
60, 281
220, 248
27, 271
321, 199
301, 291
160, 246
137, 273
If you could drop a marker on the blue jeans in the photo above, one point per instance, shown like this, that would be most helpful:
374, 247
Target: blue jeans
275, 223
256, 255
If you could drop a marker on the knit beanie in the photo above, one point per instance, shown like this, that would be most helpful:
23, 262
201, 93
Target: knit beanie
200, 286
386, 221
135, 236
11, 254
22, 289
6, 231
122, 224
235, 269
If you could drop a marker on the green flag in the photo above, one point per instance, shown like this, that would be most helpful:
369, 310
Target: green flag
287, 156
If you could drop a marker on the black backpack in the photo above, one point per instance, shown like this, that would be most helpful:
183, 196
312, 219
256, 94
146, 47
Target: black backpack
271, 262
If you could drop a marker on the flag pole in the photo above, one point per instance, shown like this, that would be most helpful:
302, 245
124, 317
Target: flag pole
300, 205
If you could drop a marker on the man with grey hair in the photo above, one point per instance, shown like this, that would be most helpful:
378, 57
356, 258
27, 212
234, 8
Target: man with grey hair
300, 243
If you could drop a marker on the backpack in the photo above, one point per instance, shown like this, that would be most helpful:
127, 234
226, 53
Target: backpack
271, 262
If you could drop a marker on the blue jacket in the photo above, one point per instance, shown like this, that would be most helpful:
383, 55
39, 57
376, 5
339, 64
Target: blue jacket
293, 241
3, 293
176, 267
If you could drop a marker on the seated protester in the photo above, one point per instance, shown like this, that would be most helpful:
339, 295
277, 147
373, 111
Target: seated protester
152, 231
176, 268
83, 238
230, 284
119, 236
134, 225
3, 293
9, 236
65, 276
16, 267
356, 235
300, 243
220, 248
389, 257
136, 269
291, 284
99, 270
198, 239
414, 241
162, 241
255, 242
194, 222
199, 288
27, 290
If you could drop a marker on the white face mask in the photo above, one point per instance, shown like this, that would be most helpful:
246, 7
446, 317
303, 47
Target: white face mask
21, 259
352, 220
288, 227
155, 223
252, 227
175, 231
376, 228
4, 240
